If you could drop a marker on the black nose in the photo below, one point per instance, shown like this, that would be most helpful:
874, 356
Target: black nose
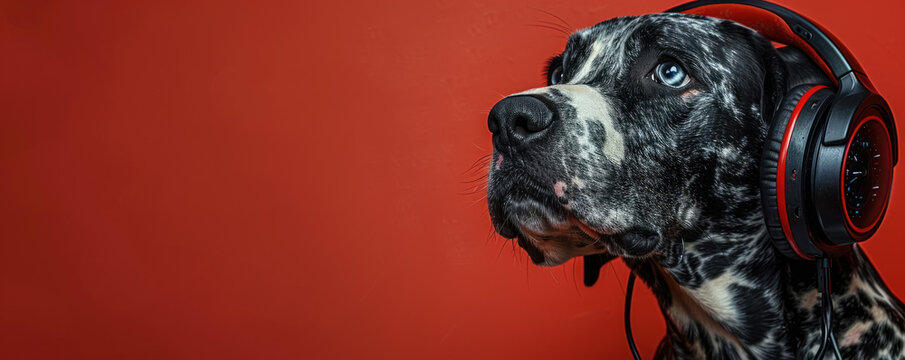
518, 120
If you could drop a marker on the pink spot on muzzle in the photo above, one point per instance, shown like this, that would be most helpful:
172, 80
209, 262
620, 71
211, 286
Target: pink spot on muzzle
499, 161
559, 188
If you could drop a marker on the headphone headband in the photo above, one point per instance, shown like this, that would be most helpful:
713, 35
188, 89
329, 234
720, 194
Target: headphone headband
782, 25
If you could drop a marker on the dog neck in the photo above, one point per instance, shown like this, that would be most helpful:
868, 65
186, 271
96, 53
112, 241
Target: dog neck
865, 309
722, 298
720, 283
730, 295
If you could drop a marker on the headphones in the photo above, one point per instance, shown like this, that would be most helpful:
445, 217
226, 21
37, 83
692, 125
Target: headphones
826, 170
827, 163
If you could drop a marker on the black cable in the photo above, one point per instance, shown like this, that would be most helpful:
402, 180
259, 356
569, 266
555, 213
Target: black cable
835, 345
628, 315
823, 286
826, 300
822, 347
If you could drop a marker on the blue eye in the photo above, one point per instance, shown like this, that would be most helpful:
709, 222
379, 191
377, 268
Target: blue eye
671, 74
555, 76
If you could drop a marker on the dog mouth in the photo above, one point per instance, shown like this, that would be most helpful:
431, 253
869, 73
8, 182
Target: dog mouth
536, 255
590, 232
556, 241
553, 235
585, 238
547, 225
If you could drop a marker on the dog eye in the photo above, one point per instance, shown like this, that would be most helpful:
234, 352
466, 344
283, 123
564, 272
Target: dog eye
671, 74
555, 75
554, 70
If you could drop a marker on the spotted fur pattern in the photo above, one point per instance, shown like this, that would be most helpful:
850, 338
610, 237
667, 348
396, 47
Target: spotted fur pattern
667, 179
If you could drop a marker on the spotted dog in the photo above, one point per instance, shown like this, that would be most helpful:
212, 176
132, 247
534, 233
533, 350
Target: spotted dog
645, 145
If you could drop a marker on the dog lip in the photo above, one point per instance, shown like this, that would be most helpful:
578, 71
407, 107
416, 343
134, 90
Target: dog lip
588, 230
506, 230
536, 254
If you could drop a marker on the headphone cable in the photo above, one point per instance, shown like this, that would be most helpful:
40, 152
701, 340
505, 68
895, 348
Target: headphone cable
823, 278
628, 315
823, 286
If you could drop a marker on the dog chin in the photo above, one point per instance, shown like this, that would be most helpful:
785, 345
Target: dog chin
552, 249
548, 256
553, 259
550, 236
555, 249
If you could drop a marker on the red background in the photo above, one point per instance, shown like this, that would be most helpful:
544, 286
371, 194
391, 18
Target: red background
285, 179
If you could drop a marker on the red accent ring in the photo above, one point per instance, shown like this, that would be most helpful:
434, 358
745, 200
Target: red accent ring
848, 220
781, 171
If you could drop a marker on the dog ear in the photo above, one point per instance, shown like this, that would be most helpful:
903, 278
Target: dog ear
801, 69
768, 63
592, 266
774, 85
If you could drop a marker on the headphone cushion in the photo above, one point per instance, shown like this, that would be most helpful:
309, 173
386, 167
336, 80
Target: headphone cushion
769, 163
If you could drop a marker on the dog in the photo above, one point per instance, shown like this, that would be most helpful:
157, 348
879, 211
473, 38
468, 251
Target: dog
645, 145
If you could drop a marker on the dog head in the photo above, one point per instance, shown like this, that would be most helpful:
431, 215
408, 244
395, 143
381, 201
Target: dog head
649, 126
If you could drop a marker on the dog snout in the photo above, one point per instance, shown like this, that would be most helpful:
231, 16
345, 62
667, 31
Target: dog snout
519, 120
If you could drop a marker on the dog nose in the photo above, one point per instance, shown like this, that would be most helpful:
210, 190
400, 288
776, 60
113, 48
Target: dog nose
517, 120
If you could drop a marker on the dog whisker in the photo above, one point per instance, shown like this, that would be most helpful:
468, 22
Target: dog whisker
479, 165
556, 25
553, 276
613, 269
502, 246
479, 200
482, 158
477, 188
563, 21
474, 189
481, 178
561, 31
575, 277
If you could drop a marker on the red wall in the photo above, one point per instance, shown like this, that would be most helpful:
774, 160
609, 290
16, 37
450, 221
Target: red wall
283, 180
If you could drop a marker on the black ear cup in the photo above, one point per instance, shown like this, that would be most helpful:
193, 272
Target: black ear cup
853, 170
784, 173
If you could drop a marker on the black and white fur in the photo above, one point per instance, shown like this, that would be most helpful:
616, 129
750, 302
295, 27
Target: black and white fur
668, 178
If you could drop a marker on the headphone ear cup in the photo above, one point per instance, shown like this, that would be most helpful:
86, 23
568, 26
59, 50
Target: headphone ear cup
768, 168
